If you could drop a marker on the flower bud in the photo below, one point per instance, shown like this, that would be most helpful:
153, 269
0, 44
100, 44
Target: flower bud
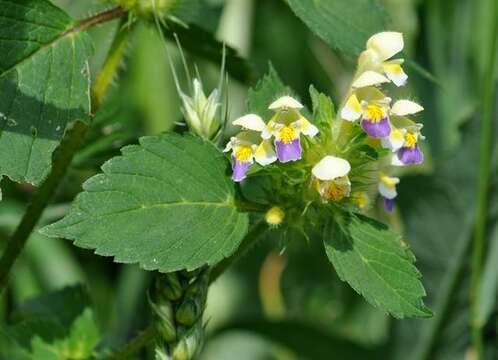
201, 112
275, 216
188, 347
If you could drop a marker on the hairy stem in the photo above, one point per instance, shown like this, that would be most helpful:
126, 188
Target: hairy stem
488, 96
72, 141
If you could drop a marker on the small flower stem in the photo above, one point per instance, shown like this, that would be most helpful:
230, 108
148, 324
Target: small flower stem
72, 141
488, 96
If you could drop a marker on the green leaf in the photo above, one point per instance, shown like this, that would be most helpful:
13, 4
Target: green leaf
268, 89
166, 204
44, 83
59, 325
377, 264
344, 26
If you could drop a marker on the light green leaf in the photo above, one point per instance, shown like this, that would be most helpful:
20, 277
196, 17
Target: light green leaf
44, 83
376, 263
59, 325
345, 26
166, 204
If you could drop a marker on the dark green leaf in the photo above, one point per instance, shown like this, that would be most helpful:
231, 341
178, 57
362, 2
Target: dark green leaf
44, 83
376, 263
166, 204
345, 26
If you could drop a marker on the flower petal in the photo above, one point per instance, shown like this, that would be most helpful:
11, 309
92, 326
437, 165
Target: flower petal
395, 73
377, 129
389, 203
386, 44
250, 122
305, 127
387, 186
331, 167
289, 151
285, 102
395, 140
239, 169
264, 154
352, 109
369, 78
405, 107
410, 156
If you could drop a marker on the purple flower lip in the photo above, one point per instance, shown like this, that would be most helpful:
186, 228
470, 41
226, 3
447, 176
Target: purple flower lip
389, 203
239, 169
411, 155
376, 129
289, 151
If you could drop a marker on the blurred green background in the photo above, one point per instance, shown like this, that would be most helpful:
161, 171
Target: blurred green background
287, 302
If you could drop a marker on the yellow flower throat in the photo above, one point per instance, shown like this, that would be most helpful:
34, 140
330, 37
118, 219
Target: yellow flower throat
243, 153
374, 113
410, 140
287, 134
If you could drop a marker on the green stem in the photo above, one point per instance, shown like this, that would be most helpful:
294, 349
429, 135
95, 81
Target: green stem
72, 141
248, 242
488, 96
139, 342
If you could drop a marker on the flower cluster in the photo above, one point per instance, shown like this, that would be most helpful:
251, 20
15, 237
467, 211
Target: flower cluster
338, 168
254, 143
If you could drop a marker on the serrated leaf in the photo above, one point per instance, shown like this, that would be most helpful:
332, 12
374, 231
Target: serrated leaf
167, 204
44, 83
345, 26
268, 89
376, 263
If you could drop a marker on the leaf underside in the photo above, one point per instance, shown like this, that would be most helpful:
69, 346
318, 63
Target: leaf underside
44, 85
377, 264
166, 204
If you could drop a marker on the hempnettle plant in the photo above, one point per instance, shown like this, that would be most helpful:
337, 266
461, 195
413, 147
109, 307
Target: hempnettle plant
186, 204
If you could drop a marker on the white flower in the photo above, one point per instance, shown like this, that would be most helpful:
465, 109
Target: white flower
330, 168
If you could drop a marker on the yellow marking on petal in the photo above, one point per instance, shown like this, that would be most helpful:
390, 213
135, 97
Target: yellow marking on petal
388, 181
243, 153
287, 134
394, 69
396, 134
374, 113
410, 140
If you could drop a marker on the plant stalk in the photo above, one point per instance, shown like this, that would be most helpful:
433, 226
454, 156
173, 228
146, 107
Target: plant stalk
70, 144
488, 95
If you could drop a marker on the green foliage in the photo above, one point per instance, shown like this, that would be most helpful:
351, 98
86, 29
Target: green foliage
166, 204
44, 83
269, 88
376, 263
58, 325
345, 27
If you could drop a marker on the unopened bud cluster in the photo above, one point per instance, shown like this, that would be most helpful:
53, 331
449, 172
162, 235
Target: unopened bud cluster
177, 301
147, 8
